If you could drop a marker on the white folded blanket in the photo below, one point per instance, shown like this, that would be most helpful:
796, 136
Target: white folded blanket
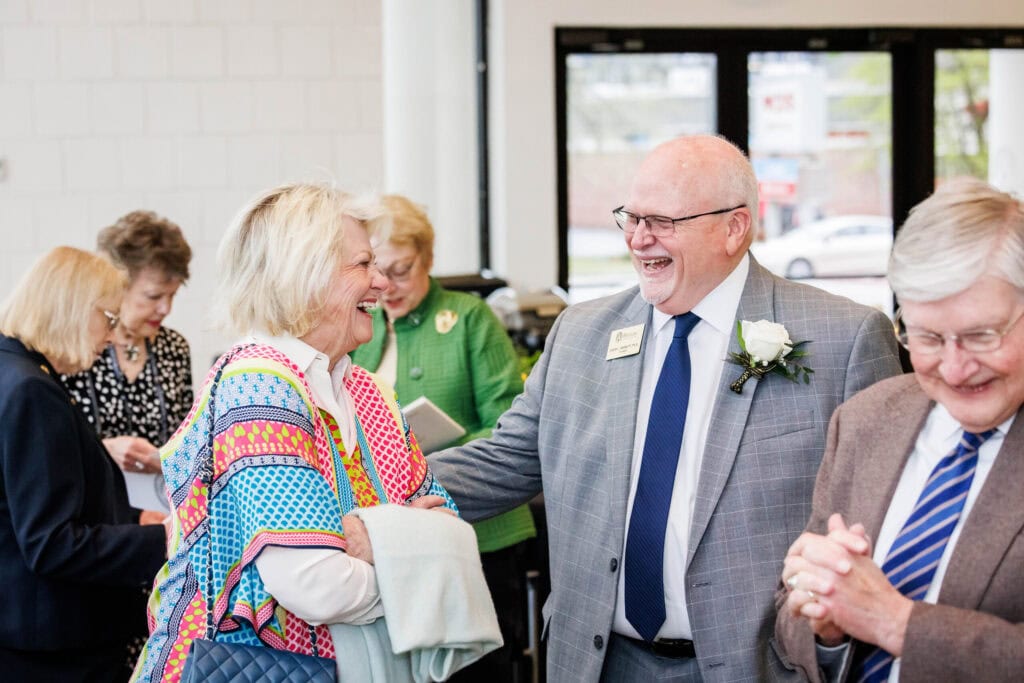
438, 614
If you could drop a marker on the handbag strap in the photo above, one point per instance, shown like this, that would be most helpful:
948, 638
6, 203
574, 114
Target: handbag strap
207, 479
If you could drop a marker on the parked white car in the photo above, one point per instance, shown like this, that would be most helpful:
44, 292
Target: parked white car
841, 246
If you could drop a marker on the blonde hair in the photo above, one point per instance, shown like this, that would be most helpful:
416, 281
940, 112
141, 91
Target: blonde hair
277, 258
966, 229
49, 310
410, 226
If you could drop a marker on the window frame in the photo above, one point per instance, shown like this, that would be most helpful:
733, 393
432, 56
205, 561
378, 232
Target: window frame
912, 53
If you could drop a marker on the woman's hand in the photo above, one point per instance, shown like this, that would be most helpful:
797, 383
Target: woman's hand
152, 517
157, 517
133, 454
358, 540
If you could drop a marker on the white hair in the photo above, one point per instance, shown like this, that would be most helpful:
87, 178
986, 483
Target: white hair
966, 229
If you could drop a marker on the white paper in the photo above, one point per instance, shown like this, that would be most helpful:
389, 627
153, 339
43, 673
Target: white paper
433, 428
146, 491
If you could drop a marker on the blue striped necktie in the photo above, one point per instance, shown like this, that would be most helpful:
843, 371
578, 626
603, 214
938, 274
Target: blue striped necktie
914, 556
645, 542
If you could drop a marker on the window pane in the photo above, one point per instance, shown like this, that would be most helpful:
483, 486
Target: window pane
820, 142
619, 106
977, 115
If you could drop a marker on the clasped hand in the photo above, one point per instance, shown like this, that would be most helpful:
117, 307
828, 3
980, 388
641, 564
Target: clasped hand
838, 588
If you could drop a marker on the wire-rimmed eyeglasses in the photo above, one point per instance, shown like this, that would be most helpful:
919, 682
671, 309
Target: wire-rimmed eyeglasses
928, 343
659, 226
402, 271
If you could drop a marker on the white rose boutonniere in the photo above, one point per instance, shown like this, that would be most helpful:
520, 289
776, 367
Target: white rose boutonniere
766, 347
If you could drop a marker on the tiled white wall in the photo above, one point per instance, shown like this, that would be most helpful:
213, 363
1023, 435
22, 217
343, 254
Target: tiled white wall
184, 107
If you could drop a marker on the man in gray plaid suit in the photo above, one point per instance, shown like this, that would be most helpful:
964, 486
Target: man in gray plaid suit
745, 463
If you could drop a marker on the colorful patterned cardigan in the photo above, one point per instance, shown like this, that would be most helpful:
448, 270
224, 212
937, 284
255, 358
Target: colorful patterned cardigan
281, 477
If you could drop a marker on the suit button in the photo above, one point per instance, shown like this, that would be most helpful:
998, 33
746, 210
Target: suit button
598, 642
415, 373
613, 565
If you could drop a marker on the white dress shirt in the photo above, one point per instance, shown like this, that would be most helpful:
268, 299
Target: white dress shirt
938, 437
320, 585
708, 344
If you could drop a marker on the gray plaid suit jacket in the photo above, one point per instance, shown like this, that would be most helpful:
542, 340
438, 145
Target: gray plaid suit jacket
571, 433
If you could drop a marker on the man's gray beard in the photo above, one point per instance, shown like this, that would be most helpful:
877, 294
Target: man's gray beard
651, 300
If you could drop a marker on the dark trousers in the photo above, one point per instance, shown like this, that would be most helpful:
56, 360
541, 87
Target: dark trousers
625, 662
505, 572
89, 665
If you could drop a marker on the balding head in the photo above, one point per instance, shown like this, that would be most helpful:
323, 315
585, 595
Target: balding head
686, 177
699, 170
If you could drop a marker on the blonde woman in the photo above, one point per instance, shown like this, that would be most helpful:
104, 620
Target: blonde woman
300, 438
72, 555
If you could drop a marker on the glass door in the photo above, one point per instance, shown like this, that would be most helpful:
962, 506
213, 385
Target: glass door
618, 107
821, 145
978, 109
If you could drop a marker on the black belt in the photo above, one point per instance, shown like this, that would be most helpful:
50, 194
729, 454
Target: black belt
672, 648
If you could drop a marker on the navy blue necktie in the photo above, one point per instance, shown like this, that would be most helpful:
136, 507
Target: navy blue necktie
645, 542
915, 554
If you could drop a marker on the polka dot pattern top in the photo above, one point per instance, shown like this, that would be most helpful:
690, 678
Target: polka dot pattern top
152, 406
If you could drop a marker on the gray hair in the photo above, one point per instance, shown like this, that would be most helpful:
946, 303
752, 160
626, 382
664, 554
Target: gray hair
966, 229
741, 183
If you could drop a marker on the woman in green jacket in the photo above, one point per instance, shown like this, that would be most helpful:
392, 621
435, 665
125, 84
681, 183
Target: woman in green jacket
450, 347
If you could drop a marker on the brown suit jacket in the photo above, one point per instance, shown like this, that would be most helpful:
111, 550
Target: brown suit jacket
975, 631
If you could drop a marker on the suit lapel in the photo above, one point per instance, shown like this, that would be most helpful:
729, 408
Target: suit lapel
624, 376
729, 416
990, 528
877, 477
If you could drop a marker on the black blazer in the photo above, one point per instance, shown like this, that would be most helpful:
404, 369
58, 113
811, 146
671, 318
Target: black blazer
72, 560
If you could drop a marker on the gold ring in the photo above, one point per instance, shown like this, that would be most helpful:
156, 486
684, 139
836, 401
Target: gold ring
810, 594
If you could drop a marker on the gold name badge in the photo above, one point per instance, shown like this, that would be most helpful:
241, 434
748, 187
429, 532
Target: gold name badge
625, 342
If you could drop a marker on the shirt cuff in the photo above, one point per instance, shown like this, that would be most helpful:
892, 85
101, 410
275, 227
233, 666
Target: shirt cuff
321, 585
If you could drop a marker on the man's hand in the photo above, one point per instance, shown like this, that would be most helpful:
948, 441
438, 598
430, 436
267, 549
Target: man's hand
865, 605
133, 454
431, 503
851, 594
807, 582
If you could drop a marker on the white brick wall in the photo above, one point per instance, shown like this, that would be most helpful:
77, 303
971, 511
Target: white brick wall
185, 107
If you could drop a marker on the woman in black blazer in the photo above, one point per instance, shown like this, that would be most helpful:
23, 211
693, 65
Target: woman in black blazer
72, 554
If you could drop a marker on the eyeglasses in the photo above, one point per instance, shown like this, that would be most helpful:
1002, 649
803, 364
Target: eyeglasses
928, 343
112, 318
400, 272
659, 226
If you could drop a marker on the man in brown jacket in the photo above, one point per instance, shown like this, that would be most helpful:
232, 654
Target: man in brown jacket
912, 561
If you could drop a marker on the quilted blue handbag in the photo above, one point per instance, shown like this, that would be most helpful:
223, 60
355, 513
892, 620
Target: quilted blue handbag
212, 662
